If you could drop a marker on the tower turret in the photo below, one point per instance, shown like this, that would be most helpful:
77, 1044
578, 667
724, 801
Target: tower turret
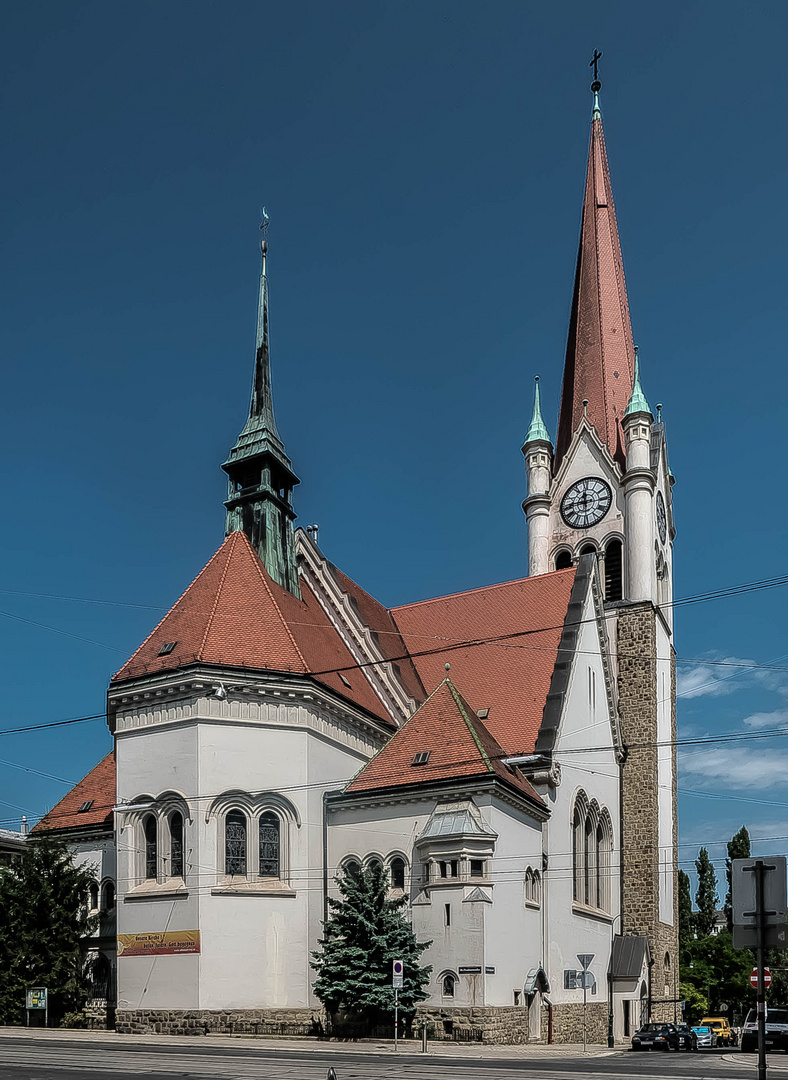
538, 453
639, 482
260, 477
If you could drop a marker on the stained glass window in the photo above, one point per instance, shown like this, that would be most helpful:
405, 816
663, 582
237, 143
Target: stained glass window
176, 845
269, 845
235, 844
151, 848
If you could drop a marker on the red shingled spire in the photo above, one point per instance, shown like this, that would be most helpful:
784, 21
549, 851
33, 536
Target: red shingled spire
600, 356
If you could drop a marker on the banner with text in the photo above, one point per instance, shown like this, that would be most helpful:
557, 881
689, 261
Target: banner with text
164, 943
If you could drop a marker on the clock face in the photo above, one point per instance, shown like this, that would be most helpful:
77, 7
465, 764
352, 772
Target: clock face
662, 520
586, 503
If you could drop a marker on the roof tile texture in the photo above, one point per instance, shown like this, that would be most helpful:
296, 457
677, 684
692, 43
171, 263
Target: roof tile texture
98, 785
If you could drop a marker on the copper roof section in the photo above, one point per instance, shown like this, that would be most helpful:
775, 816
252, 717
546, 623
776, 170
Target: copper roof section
457, 743
600, 356
97, 789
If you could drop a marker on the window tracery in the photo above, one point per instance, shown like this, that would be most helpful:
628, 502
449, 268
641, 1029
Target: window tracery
592, 847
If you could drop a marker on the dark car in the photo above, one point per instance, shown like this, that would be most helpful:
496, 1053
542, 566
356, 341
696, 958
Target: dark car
776, 1030
656, 1037
688, 1040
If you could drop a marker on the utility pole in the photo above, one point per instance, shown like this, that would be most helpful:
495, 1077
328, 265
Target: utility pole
760, 918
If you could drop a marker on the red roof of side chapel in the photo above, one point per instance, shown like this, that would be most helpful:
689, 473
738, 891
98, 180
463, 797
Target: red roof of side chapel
97, 788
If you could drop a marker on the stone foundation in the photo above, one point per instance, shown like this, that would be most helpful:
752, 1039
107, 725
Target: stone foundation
272, 1022
99, 1017
506, 1025
568, 1022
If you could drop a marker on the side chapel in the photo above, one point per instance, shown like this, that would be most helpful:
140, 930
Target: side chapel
508, 753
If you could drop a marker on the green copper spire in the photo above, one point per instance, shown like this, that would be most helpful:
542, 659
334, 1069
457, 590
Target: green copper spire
637, 399
538, 429
260, 477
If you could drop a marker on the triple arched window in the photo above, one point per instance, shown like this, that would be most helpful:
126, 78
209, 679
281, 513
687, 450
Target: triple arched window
254, 834
592, 849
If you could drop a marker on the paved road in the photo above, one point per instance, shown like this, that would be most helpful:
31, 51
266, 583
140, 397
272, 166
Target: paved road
111, 1058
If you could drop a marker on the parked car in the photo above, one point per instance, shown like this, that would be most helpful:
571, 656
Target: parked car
656, 1037
722, 1029
706, 1036
776, 1030
688, 1040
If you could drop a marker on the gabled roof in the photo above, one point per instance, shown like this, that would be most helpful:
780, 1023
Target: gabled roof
502, 643
97, 788
456, 740
600, 356
235, 615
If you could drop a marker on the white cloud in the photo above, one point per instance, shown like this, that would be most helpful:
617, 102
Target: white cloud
735, 766
725, 675
778, 718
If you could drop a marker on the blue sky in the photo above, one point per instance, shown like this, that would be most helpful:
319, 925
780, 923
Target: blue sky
423, 167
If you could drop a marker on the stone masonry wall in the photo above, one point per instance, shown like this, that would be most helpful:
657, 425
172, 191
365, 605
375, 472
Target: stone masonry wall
568, 1022
637, 699
219, 1022
505, 1025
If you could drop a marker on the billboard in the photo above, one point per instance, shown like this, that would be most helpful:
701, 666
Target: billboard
159, 943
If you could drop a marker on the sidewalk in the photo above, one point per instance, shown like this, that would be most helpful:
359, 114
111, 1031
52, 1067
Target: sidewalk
382, 1047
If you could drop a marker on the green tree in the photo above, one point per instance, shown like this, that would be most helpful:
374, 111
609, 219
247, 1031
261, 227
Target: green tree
706, 897
686, 916
695, 1002
738, 848
365, 933
44, 921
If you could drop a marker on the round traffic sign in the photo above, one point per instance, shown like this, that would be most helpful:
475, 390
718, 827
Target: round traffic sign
397, 967
767, 978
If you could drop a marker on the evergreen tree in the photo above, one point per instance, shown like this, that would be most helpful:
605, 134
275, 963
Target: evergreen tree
44, 921
738, 848
365, 933
706, 896
686, 916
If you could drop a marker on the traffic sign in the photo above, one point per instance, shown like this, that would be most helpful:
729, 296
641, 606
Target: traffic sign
397, 975
37, 999
767, 978
584, 959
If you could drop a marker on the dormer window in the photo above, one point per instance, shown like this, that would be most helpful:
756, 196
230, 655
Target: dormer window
85, 806
422, 757
167, 648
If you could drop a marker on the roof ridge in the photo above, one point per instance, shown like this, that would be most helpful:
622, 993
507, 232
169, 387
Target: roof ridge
169, 612
458, 698
481, 588
259, 567
232, 546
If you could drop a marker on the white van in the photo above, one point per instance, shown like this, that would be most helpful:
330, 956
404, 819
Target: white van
776, 1030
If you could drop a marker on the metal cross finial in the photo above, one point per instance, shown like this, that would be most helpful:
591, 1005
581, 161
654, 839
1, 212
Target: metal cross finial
266, 219
594, 61
264, 226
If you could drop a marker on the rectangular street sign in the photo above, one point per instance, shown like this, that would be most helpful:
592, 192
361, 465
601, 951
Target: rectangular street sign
37, 999
397, 975
775, 902
469, 971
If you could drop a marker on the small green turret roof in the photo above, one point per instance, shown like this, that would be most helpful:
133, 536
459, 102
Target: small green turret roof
637, 399
538, 429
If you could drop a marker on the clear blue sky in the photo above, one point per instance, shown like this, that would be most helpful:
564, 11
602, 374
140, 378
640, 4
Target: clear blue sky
423, 166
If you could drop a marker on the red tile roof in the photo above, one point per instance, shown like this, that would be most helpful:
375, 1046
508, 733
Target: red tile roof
458, 743
235, 615
98, 786
600, 356
509, 675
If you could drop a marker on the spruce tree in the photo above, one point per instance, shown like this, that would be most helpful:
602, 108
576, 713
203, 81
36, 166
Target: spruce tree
706, 896
738, 848
365, 933
42, 929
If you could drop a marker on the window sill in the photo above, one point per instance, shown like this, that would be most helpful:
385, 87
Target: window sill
259, 887
533, 904
591, 912
171, 889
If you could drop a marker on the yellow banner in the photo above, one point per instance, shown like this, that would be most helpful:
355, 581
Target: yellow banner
165, 943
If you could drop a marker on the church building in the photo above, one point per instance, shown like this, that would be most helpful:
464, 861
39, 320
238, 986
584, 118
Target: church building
507, 753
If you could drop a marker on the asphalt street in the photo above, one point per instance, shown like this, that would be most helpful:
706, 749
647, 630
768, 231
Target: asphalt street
112, 1058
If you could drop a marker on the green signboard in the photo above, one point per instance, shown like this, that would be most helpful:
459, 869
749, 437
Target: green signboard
37, 999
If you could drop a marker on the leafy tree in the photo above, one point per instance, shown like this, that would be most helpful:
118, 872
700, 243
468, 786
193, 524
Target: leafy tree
695, 1002
738, 848
44, 920
686, 915
706, 896
364, 934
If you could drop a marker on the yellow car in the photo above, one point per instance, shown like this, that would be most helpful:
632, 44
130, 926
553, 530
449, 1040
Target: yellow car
721, 1028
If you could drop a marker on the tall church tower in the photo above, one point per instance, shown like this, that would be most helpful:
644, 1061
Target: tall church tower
260, 476
606, 489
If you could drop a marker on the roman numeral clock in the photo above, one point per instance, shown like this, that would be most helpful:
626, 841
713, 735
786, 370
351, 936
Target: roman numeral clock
586, 503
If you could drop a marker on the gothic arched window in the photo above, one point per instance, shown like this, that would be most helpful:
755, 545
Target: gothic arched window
578, 822
151, 847
176, 845
108, 898
235, 844
398, 873
614, 571
352, 867
449, 983
563, 560
589, 877
93, 895
270, 841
